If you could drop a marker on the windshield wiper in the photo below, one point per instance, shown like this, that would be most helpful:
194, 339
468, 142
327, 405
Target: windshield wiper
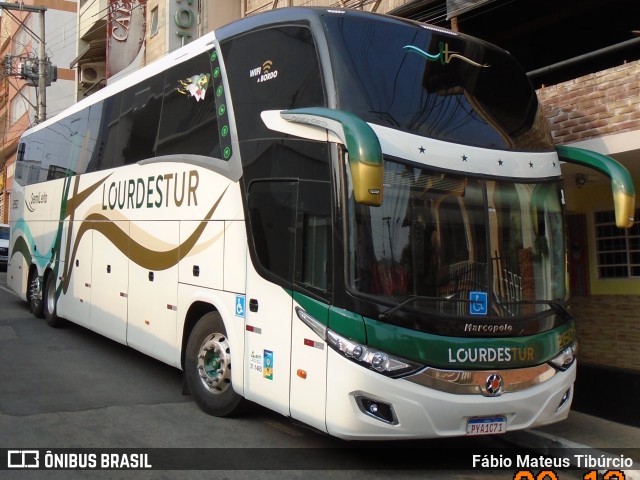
554, 305
448, 298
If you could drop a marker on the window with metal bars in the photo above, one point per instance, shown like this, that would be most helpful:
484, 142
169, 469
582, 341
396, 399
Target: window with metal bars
617, 249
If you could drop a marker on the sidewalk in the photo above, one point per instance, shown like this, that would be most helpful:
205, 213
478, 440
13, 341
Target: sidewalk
581, 431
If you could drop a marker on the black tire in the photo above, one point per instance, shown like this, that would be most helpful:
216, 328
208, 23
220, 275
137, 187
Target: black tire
207, 368
50, 302
34, 294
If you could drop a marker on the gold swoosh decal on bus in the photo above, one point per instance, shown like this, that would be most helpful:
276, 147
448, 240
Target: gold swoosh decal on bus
79, 197
134, 251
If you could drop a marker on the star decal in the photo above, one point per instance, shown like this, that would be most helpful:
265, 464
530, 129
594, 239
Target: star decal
500, 162
422, 150
530, 164
464, 158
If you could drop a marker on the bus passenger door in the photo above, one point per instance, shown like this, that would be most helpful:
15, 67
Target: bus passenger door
269, 304
312, 276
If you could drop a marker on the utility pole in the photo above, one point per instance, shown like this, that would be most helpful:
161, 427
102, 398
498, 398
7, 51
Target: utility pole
43, 64
42, 72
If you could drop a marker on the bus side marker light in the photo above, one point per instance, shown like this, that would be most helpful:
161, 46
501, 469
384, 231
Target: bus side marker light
147, 322
302, 373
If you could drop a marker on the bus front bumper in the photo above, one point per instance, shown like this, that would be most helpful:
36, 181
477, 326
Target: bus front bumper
362, 404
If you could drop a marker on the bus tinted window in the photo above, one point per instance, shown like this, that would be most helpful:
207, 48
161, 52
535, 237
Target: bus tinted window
189, 117
105, 115
313, 232
287, 219
272, 208
139, 119
272, 69
58, 150
440, 85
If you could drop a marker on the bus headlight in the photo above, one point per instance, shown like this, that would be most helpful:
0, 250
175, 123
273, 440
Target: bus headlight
566, 357
377, 360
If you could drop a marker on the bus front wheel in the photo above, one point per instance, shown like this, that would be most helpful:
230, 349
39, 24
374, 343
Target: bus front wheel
207, 368
34, 293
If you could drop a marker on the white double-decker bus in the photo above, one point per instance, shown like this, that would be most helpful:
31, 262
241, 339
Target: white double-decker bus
352, 219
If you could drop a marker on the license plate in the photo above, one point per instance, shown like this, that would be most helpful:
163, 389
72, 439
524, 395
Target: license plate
486, 425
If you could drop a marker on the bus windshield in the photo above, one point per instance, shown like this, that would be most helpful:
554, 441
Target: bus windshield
446, 238
434, 83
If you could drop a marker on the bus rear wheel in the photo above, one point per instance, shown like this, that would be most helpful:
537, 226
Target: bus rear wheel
207, 368
50, 304
34, 294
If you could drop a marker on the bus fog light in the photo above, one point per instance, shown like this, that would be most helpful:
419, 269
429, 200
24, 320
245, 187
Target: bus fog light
379, 410
564, 399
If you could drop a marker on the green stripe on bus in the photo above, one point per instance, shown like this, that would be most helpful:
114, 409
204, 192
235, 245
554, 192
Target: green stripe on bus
341, 321
437, 350
469, 352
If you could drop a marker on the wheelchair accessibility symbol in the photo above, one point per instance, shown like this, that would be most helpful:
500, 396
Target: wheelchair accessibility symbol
478, 304
240, 305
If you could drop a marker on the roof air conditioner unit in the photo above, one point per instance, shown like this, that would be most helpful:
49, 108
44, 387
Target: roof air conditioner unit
90, 73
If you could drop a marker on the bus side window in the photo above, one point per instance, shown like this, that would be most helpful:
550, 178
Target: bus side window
104, 119
189, 118
139, 119
272, 212
275, 69
313, 245
58, 150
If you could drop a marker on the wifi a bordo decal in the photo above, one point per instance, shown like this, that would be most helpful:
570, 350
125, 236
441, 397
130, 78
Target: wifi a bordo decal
264, 73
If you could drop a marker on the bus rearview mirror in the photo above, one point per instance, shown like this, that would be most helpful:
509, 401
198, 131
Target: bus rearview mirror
624, 194
365, 155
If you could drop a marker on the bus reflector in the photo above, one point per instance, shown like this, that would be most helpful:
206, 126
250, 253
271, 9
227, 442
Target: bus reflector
302, 373
312, 343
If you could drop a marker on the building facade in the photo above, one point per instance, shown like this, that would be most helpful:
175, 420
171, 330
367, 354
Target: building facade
601, 112
18, 97
117, 36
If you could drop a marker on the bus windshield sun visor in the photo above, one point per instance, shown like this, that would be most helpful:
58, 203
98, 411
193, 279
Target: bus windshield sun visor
624, 193
365, 153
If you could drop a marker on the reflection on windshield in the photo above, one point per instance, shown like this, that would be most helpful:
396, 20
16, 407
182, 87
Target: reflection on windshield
434, 84
445, 236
